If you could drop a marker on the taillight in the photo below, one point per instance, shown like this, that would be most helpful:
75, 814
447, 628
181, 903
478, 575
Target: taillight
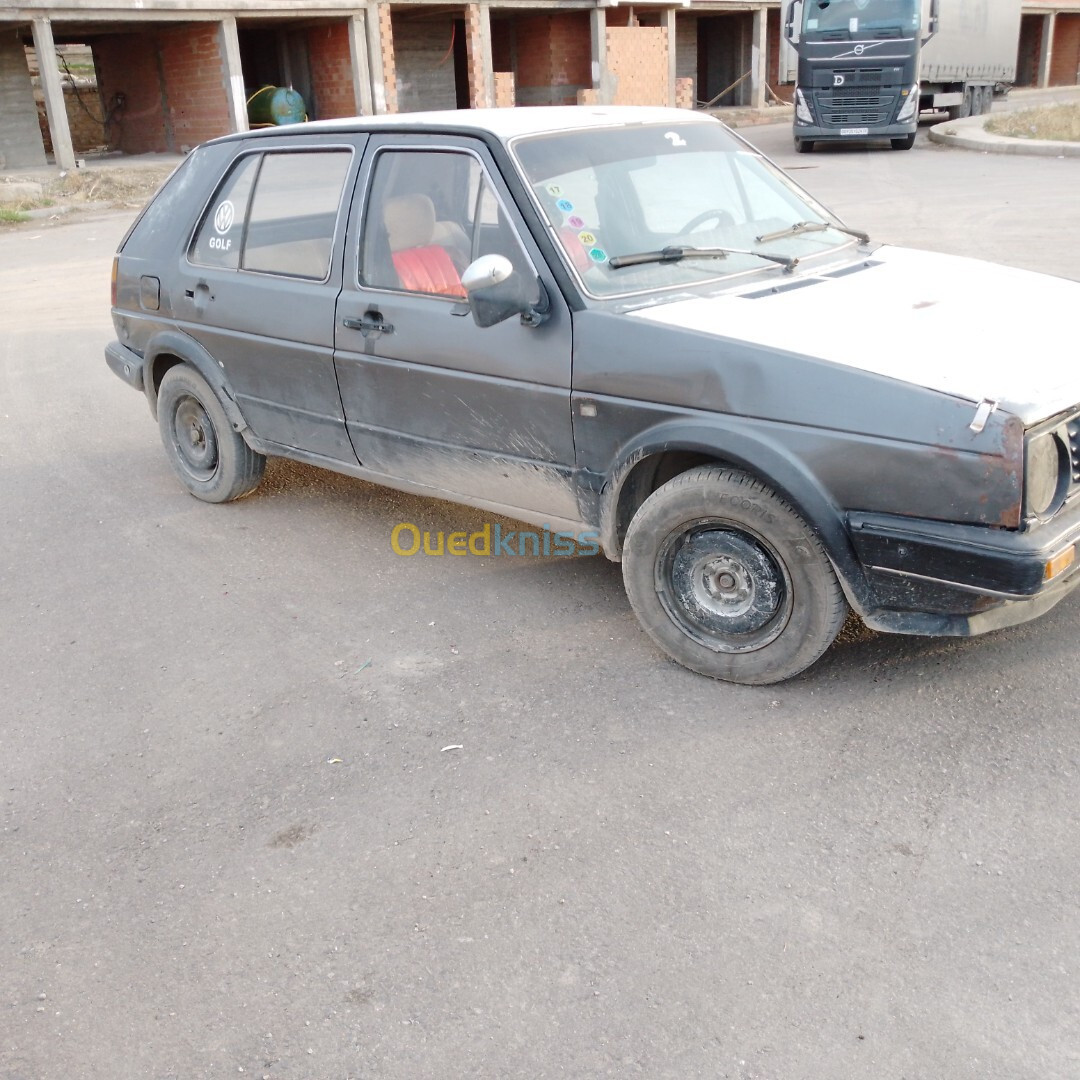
115, 270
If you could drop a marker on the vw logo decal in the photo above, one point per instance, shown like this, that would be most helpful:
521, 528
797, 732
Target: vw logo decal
224, 217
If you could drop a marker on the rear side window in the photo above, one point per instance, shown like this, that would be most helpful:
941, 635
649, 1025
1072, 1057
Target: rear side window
220, 237
276, 213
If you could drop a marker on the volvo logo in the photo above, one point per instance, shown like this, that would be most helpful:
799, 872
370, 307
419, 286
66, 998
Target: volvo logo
859, 50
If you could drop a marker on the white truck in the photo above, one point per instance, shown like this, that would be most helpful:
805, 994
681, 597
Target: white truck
866, 68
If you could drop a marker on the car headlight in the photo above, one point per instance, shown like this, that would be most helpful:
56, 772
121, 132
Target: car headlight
802, 110
1046, 474
911, 103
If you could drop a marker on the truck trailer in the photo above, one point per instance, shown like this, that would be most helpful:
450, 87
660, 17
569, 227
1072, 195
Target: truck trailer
867, 68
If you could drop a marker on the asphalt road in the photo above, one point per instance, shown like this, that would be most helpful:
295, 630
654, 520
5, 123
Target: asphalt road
234, 840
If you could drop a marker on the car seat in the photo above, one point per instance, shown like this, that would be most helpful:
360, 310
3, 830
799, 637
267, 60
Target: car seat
421, 264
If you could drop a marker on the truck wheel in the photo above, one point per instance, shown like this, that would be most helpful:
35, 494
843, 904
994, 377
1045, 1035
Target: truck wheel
212, 461
728, 580
905, 142
804, 146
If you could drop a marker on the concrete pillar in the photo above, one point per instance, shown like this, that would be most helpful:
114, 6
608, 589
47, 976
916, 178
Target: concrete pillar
358, 61
601, 77
380, 32
229, 44
481, 68
21, 145
672, 68
1046, 53
758, 60
53, 89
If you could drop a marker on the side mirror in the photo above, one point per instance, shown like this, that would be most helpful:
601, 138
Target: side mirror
932, 25
789, 21
496, 292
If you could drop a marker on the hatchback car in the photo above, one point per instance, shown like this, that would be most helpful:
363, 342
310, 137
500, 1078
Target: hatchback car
625, 323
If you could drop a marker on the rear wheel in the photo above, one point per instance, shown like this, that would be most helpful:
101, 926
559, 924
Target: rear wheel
905, 142
211, 459
729, 580
804, 146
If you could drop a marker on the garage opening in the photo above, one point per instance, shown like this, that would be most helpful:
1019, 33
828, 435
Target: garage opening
724, 44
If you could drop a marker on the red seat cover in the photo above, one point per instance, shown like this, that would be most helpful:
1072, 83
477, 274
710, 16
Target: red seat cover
429, 270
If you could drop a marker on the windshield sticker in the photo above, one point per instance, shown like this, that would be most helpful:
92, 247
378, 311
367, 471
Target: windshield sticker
565, 205
674, 138
575, 222
554, 189
598, 255
224, 217
853, 26
587, 238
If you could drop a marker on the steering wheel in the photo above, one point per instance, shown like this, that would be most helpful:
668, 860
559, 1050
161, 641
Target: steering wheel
722, 217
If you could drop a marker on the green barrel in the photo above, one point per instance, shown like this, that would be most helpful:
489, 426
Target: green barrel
275, 105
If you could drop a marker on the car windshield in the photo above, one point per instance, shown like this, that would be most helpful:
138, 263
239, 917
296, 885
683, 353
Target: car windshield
612, 192
844, 19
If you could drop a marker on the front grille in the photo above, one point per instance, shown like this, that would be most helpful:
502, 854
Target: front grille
854, 100
853, 108
1073, 428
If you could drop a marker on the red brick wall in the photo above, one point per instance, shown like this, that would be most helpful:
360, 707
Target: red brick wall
505, 94
331, 72
637, 57
386, 49
554, 58
84, 118
194, 77
174, 83
127, 64
1065, 54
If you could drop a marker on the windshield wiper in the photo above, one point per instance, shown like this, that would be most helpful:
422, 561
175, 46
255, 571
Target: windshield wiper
811, 226
675, 254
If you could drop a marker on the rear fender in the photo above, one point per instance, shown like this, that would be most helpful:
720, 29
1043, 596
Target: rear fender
173, 346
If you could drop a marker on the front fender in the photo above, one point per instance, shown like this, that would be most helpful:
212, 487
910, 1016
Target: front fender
752, 452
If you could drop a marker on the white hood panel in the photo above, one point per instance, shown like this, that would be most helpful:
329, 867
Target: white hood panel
967, 328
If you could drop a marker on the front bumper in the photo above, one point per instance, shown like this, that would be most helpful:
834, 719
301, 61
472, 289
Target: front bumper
928, 577
817, 133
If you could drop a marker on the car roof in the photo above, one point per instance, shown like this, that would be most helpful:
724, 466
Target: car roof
504, 124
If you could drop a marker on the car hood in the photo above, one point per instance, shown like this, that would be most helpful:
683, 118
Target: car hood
968, 328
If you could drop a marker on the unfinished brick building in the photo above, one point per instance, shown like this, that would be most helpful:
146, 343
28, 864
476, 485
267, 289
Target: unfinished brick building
171, 73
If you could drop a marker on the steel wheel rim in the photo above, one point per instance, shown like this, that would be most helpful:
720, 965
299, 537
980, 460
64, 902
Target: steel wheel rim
724, 586
195, 439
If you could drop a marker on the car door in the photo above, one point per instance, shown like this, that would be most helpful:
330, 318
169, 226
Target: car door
428, 395
260, 281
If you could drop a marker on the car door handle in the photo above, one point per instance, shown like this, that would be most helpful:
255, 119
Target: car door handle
371, 323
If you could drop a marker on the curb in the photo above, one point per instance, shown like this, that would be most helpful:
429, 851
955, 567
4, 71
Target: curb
989, 143
970, 134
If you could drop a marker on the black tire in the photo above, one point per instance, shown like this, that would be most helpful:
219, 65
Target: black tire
212, 461
804, 146
729, 580
905, 142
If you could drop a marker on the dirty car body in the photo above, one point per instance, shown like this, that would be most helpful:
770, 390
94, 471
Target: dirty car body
624, 322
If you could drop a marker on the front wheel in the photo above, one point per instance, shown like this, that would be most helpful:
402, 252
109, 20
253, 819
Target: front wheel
729, 580
211, 459
804, 146
905, 142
